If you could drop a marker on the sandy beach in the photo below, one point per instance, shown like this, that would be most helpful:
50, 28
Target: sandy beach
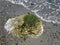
50, 36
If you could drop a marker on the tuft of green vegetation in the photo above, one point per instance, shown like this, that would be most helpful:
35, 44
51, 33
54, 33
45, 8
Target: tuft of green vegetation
30, 20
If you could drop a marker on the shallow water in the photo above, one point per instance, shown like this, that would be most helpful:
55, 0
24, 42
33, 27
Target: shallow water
50, 36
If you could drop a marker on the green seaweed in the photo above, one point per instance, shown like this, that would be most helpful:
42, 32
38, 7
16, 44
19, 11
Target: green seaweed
30, 20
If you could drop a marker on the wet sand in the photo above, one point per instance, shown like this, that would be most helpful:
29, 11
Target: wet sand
50, 36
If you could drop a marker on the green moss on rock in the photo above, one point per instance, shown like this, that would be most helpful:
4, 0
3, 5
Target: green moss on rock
30, 20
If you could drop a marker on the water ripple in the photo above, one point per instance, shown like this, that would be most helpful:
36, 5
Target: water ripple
47, 11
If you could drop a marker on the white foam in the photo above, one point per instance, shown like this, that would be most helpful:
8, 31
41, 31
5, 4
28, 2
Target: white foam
26, 1
8, 25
